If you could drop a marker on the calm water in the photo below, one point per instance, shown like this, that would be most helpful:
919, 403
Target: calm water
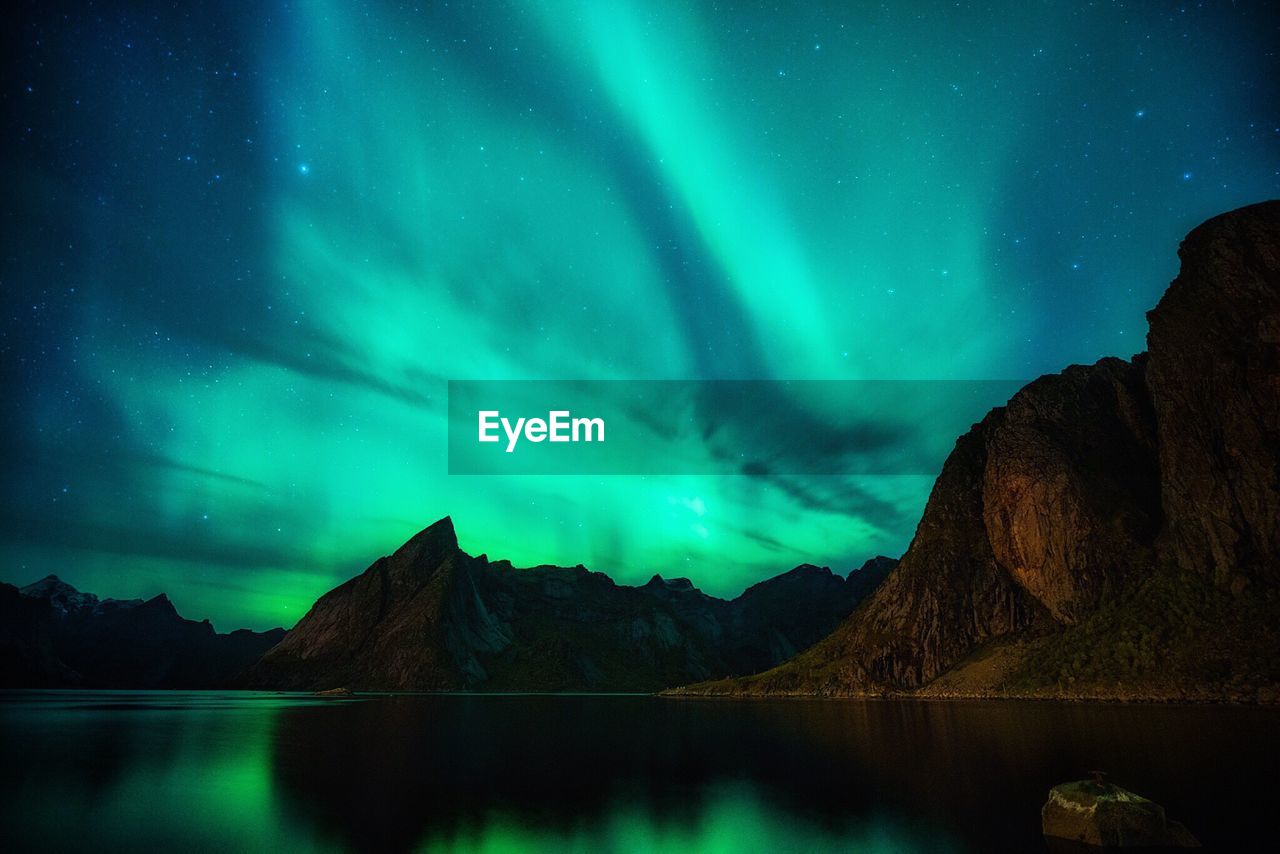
234, 771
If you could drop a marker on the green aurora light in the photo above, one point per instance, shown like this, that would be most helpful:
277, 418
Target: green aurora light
248, 250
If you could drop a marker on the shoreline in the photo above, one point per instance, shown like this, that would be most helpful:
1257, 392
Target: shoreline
675, 694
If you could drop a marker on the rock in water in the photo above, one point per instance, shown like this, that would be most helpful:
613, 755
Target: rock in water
1105, 815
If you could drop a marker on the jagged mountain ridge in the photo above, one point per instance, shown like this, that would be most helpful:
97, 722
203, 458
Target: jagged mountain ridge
54, 635
432, 618
1114, 531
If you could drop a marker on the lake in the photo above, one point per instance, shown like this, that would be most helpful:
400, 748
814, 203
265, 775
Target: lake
246, 771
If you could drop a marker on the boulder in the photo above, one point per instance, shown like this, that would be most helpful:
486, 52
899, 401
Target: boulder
1104, 815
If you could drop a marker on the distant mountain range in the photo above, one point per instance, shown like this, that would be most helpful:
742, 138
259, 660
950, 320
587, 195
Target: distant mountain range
432, 618
1113, 532
52, 635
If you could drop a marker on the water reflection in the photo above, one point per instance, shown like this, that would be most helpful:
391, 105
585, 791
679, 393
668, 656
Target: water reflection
460, 768
253, 771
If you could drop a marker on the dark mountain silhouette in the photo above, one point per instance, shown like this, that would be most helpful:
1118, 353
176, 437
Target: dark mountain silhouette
1114, 531
432, 618
52, 635
27, 654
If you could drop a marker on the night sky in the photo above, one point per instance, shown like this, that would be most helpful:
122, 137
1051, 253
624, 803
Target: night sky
246, 245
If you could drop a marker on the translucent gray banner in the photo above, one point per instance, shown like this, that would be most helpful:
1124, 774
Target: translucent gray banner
729, 427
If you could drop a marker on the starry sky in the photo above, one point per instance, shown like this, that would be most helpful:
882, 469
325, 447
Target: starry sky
246, 246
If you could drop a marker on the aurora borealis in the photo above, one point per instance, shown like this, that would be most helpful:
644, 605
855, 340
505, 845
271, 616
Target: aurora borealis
246, 247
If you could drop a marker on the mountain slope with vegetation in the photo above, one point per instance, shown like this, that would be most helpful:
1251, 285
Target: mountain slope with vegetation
1114, 531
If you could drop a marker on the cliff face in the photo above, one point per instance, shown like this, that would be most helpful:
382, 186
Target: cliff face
432, 618
1070, 491
393, 625
1214, 376
1038, 509
1081, 536
53, 635
946, 595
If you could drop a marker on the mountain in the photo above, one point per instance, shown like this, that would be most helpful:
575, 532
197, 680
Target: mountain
54, 635
65, 600
27, 654
432, 618
1114, 531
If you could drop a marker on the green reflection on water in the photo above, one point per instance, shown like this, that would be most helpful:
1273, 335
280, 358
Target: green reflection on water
238, 771
145, 770
732, 819
157, 770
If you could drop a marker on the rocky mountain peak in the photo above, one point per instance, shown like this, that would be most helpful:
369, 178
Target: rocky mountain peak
658, 583
61, 596
431, 617
66, 637
430, 545
159, 605
809, 569
875, 564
